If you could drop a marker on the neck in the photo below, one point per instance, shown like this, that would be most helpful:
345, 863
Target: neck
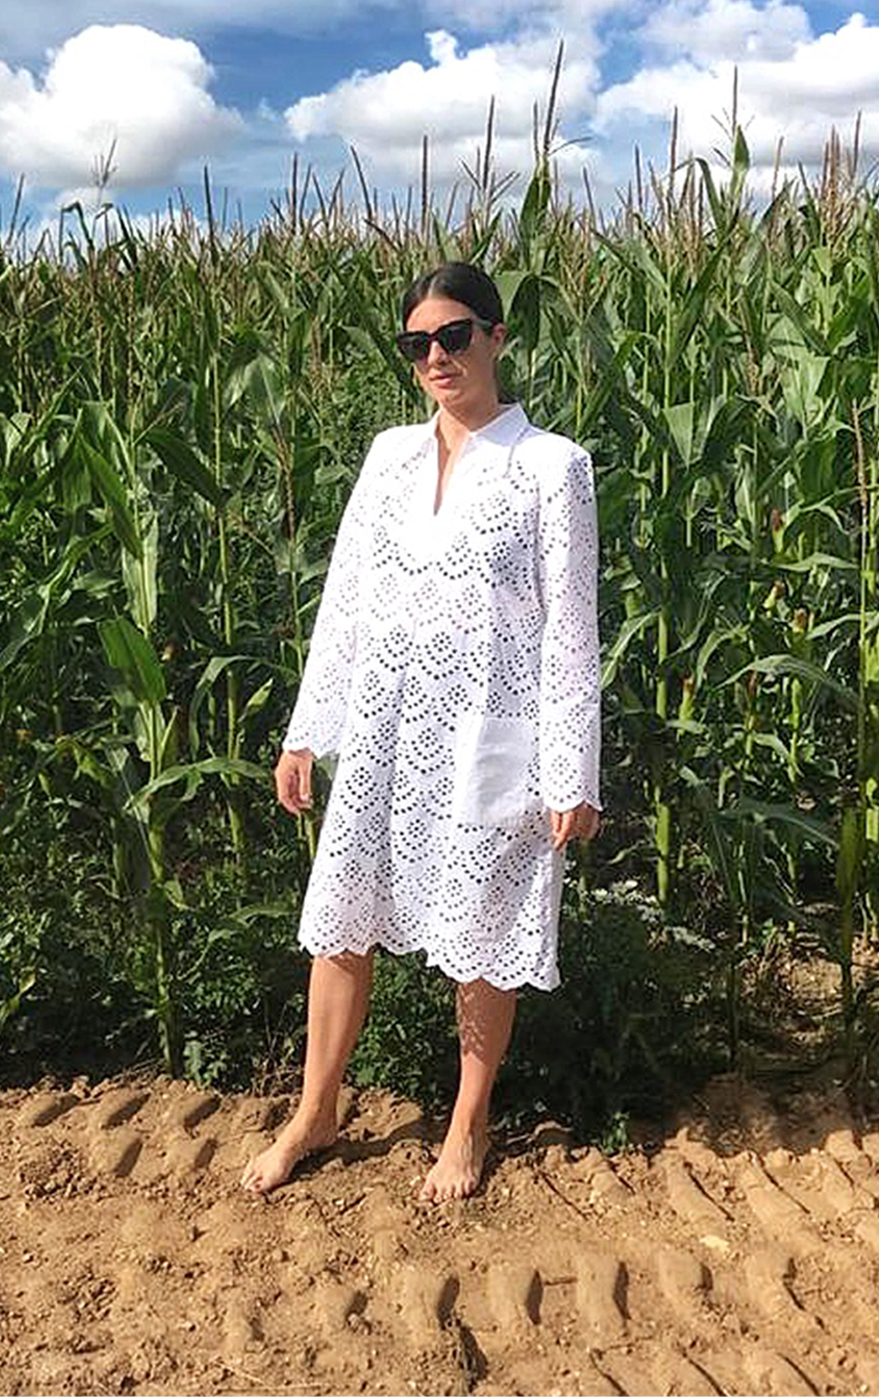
455, 426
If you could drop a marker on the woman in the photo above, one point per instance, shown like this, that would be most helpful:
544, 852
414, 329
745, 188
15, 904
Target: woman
454, 669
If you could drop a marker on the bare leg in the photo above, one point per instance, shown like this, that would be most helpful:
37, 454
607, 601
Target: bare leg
485, 1022
338, 998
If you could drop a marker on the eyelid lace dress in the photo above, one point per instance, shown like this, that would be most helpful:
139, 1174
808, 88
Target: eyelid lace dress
454, 669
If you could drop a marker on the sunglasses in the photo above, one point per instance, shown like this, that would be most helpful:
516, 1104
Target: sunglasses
453, 337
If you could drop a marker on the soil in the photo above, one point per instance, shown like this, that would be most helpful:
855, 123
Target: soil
739, 1253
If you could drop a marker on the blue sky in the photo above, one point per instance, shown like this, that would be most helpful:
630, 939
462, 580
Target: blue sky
169, 87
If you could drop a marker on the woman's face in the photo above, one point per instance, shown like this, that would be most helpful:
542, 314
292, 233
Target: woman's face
464, 380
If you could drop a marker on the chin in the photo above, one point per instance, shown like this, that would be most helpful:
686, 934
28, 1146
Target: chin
450, 393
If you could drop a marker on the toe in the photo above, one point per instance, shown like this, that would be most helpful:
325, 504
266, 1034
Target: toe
252, 1179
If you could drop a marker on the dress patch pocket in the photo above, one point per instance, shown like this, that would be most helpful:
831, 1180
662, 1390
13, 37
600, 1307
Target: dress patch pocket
493, 760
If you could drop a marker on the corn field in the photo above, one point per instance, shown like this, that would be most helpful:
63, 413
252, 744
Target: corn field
182, 414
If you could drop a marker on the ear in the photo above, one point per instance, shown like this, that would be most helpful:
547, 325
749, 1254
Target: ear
498, 336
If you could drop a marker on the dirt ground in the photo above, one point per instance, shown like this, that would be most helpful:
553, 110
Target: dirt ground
739, 1254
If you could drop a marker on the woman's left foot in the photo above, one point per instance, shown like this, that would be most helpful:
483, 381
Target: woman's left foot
459, 1169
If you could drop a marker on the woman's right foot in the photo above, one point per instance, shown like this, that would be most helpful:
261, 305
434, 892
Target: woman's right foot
459, 1169
273, 1166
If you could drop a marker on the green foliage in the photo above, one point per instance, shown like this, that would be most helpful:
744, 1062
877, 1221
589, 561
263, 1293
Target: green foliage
638, 1016
634, 1021
181, 418
237, 976
409, 1043
58, 932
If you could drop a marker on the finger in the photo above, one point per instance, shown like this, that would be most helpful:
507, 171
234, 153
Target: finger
287, 789
293, 782
300, 794
290, 801
303, 772
562, 824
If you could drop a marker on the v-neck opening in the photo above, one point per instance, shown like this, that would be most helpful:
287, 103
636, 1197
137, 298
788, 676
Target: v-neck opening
436, 511
500, 432
438, 508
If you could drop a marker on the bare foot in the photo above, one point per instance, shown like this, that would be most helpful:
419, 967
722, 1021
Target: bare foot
459, 1169
264, 1172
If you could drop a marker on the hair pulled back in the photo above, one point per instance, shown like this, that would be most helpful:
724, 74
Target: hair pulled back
458, 281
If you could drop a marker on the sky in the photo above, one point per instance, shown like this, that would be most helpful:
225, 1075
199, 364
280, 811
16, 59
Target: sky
152, 91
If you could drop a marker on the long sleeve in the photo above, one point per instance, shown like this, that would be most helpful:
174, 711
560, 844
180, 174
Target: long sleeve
318, 717
570, 674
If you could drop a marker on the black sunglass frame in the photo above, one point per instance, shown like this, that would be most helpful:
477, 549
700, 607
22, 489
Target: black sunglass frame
415, 344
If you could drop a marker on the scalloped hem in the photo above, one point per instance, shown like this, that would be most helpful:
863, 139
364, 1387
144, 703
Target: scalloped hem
499, 982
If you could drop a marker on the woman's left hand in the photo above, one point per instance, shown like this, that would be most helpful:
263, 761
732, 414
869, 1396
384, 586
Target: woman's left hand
580, 823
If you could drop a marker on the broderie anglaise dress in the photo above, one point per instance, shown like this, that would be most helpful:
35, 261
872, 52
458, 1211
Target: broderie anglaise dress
454, 669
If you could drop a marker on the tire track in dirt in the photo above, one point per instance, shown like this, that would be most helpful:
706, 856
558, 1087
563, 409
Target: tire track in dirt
132, 1262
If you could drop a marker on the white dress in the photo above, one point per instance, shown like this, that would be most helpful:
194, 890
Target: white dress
454, 669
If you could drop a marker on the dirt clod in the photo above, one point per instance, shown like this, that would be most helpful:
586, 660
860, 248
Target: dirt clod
739, 1255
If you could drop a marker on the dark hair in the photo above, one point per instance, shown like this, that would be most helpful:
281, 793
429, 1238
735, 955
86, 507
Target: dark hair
459, 281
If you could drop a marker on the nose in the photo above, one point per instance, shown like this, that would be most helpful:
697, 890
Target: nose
436, 353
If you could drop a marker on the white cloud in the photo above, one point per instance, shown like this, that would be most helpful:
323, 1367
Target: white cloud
153, 94
119, 86
385, 114
730, 30
568, 17
798, 95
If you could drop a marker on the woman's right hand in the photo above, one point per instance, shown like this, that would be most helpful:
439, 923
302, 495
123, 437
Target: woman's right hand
293, 780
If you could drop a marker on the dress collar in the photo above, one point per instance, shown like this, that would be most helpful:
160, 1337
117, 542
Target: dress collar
504, 429
501, 431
